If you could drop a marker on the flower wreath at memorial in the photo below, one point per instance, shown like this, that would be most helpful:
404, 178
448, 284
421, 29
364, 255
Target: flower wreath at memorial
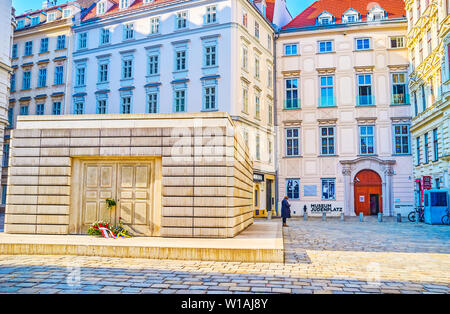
103, 228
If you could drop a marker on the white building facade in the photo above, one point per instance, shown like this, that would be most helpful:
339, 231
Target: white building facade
343, 111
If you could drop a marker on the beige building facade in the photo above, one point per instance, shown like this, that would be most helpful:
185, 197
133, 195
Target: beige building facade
171, 175
343, 112
428, 45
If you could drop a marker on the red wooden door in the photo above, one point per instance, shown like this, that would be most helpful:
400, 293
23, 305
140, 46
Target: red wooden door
367, 183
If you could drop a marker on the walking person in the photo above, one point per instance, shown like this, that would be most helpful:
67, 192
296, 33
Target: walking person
285, 210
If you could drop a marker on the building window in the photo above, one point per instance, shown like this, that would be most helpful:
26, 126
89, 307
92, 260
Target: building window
181, 20
269, 78
245, 98
429, 41
152, 102
78, 108
327, 98
258, 147
292, 142
124, 4
42, 80
367, 140
270, 152
258, 106
82, 41
291, 50
67, 13
245, 57
257, 30
26, 82
269, 42
56, 109
128, 31
44, 45
397, 42
401, 139
425, 140
103, 72
59, 75
416, 107
28, 48
257, 70
80, 76
211, 14
101, 7
13, 82
127, 69
20, 24
153, 64
5, 164
10, 117
14, 51
35, 20
125, 105
244, 18
104, 36
293, 189
365, 97
327, 141
24, 110
154, 25
180, 100
328, 189
210, 55
209, 98
180, 61
418, 150
435, 145
291, 94
40, 109
424, 98
325, 46
61, 42
270, 113
399, 89
362, 43
101, 106
51, 17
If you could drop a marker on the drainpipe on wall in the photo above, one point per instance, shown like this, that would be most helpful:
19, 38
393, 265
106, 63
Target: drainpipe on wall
275, 120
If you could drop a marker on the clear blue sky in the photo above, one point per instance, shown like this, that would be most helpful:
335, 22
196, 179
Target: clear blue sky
295, 6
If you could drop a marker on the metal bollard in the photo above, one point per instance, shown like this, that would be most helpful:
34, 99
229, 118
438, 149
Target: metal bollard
380, 217
324, 216
305, 216
342, 217
399, 217
361, 217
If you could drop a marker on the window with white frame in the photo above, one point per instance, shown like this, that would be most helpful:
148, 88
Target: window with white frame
401, 139
28, 49
291, 100
257, 105
51, 16
327, 140
292, 142
128, 31
78, 107
362, 43
154, 25
244, 97
257, 30
366, 140
397, 42
152, 102
350, 16
258, 147
26, 80
269, 42
82, 41
211, 14
325, 18
125, 104
153, 64
102, 106
101, 7
67, 12
291, 49
80, 76
270, 112
327, 98
269, 78
245, 18
61, 42
325, 46
103, 71
293, 189
328, 189
123, 4
180, 100
210, 97
257, 68
399, 89
210, 52
104, 36
44, 45
365, 95
180, 60
244, 57
181, 20
127, 68
42, 78
59, 75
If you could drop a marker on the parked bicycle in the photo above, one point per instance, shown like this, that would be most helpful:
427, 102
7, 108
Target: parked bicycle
418, 211
446, 218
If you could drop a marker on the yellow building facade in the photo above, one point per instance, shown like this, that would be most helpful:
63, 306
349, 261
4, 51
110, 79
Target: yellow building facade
428, 46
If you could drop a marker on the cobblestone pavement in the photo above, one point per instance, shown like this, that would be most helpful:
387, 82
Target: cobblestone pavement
321, 257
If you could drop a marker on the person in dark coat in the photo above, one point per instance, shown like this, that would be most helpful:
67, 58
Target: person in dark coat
285, 210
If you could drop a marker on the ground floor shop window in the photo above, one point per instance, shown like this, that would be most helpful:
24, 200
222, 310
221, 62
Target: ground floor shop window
328, 189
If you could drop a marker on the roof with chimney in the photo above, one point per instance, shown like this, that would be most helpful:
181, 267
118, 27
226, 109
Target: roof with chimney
337, 8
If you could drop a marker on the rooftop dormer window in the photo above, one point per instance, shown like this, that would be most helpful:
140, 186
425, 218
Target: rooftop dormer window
51, 17
376, 14
350, 16
148, 1
325, 18
20, 24
101, 7
67, 12
124, 4
35, 20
